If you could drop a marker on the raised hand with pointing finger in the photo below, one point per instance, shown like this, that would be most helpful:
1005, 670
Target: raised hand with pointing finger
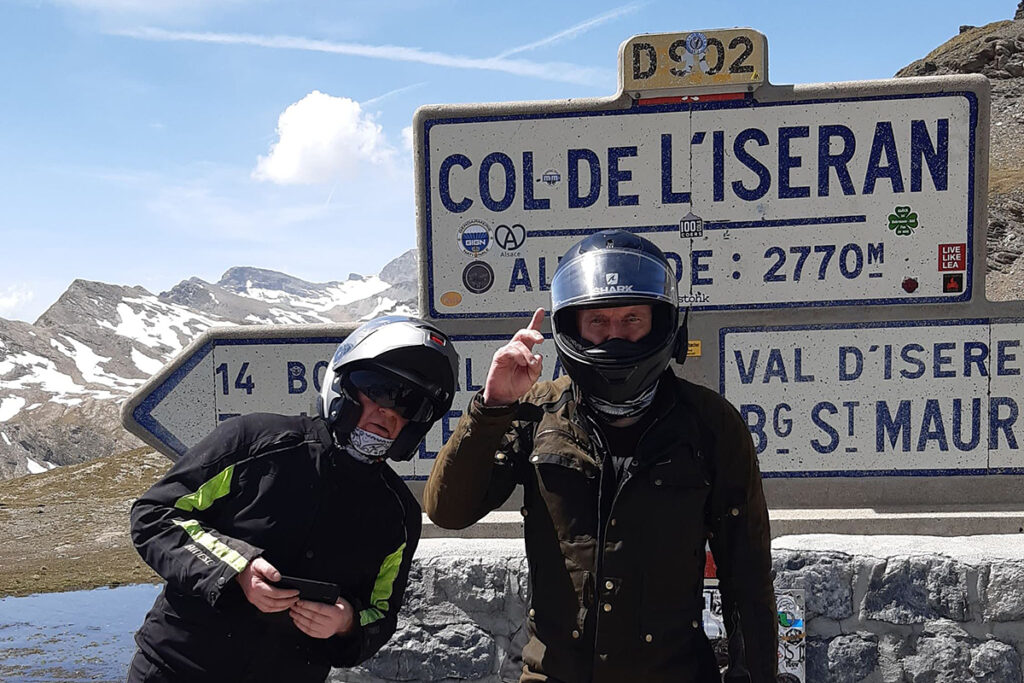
515, 367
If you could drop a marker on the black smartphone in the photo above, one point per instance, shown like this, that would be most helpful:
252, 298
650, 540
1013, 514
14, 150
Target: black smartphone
317, 591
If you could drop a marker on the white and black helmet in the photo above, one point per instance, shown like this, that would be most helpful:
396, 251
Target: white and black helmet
614, 268
399, 362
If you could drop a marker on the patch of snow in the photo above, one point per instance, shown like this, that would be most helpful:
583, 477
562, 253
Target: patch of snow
7, 439
42, 374
36, 468
384, 304
88, 363
158, 323
34, 406
148, 365
10, 406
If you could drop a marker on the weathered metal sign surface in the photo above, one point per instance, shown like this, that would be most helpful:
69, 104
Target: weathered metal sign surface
217, 378
760, 204
911, 397
699, 61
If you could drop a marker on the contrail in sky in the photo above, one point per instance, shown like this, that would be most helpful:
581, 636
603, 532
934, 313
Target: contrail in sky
551, 71
576, 30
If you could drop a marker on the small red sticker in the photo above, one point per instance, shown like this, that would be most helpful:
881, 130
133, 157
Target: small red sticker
953, 283
910, 285
952, 257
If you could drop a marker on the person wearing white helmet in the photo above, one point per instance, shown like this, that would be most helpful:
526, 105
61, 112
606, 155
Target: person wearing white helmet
627, 470
286, 541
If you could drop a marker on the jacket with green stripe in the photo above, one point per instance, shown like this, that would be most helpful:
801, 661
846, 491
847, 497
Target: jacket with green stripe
617, 566
273, 486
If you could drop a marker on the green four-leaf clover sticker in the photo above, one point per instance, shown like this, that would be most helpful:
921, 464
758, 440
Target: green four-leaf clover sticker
902, 220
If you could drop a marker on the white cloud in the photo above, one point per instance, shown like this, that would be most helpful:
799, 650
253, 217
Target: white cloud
407, 138
13, 298
322, 138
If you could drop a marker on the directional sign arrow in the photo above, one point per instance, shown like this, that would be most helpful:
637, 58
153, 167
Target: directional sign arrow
232, 371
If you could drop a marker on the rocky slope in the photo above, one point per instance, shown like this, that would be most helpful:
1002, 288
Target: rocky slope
63, 378
996, 51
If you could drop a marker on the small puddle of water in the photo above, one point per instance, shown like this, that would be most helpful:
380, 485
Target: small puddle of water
75, 636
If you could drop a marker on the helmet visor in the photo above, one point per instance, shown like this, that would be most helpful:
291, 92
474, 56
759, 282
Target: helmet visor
388, 391
606, 276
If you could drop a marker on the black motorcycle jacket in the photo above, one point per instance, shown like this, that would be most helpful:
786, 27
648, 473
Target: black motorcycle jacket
276, 487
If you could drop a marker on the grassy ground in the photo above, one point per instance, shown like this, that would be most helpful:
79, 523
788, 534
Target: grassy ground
67, 529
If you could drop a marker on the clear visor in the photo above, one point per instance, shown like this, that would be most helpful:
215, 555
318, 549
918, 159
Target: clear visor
600, 276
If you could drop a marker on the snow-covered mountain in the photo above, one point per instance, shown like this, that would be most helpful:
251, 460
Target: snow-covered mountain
63, 378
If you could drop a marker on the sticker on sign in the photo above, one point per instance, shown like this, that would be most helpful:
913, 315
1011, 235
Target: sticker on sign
812, 201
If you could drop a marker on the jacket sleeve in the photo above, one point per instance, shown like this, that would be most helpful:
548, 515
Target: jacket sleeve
474, 471
171, 523
377, 617
741, 544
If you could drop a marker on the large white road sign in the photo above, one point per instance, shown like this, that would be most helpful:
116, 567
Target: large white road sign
236, 371
817, 200
910, 397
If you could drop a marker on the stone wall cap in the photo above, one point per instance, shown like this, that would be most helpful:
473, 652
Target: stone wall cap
972, 550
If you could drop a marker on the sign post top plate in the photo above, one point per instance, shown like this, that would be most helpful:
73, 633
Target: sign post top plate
693, 63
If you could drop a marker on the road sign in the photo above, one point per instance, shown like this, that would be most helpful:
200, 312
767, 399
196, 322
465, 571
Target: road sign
279, 369
828, 195
921, 397
698, 62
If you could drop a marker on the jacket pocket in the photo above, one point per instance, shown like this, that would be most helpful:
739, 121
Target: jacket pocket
568, 490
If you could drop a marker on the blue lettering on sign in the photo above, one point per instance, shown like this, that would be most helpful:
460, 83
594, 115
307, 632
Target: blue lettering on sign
757, 426
576, 157
529, 203
823, 425
998, 423
781, 421
616, 176
838, 161
697, 266
318, 374
787, 162
668, 196
444, 183
502, 160
884, 143
296, 377
520, 276
470, 386
1003, 356
823, 155
846, 374
898, 428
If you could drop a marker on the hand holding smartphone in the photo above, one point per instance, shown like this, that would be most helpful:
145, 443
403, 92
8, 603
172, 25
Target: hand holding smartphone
316, 591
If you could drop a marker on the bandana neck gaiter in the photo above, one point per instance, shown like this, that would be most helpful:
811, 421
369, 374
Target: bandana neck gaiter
367, 447
613, 412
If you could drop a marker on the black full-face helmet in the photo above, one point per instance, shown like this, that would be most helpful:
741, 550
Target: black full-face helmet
614, 268
399, 362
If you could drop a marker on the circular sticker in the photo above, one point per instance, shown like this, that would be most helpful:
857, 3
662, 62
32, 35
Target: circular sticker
696, 43
478, 277
474, 237
451, 299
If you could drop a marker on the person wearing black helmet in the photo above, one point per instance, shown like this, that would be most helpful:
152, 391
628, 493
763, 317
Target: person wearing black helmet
627, 470
267, 498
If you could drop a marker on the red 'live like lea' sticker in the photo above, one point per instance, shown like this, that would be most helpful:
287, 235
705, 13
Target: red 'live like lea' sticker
952, 257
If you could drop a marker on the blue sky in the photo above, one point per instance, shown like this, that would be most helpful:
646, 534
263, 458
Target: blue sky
148, 141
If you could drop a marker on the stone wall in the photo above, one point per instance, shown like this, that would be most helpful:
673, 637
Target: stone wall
878, 609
